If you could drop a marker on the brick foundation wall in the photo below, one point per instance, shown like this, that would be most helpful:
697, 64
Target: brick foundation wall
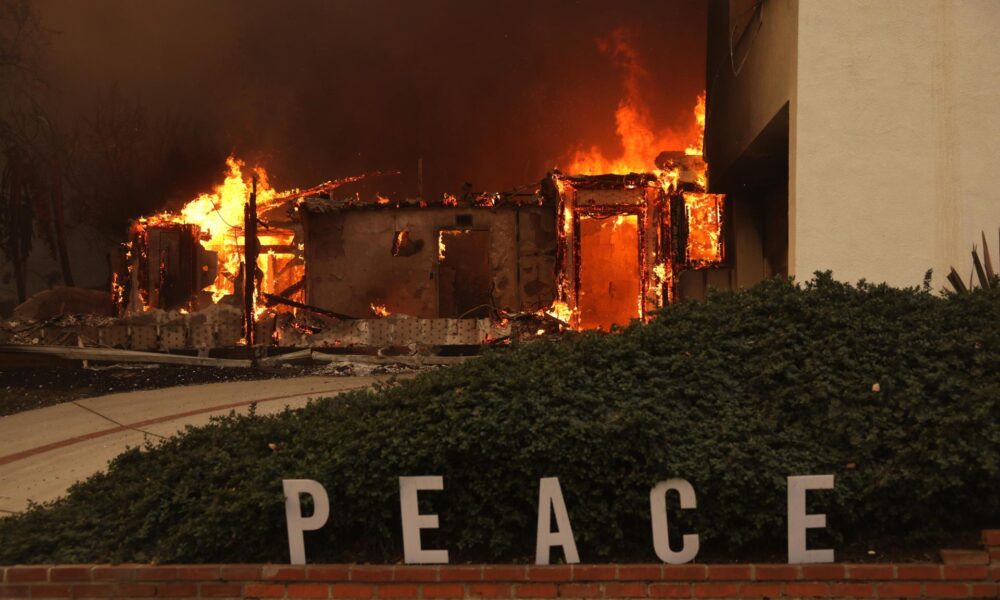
962, 574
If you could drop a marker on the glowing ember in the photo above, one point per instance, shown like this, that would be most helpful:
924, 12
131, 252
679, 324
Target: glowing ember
561, 311
379, 310
449, 200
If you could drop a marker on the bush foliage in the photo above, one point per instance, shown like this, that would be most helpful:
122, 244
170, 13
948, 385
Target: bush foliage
733, 394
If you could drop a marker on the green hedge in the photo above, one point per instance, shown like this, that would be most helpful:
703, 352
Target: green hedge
733, 394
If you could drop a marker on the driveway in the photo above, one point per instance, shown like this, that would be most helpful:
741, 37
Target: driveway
44, 451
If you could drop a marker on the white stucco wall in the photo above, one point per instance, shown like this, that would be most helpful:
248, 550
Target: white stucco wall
895, 138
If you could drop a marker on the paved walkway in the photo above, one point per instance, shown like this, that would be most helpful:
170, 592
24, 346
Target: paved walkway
44, 451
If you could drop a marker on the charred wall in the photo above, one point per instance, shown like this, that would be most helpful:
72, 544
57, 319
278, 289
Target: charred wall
356, 258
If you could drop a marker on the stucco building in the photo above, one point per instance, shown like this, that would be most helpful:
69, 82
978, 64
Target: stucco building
857, 136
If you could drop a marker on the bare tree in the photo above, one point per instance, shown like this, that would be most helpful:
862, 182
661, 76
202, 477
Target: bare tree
22, 192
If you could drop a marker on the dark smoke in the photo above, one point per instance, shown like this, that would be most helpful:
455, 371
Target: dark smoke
494, 93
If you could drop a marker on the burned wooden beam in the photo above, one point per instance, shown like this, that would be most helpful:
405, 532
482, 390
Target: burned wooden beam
272, 299
295, 287
250, 251
122, 356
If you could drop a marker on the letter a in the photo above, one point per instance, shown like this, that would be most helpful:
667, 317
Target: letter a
550, 499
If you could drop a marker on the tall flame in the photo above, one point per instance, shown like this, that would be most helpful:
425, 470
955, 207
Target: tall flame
219, 217
640, 140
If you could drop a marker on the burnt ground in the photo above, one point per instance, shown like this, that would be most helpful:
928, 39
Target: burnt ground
29, 388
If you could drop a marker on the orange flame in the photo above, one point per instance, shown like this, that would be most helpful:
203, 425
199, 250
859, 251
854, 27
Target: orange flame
379, 310
704, 215
640, 140
219, 217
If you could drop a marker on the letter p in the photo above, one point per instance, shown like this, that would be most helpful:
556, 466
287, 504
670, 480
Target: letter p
297, 524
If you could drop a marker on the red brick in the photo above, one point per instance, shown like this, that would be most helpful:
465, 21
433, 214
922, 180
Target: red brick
308, 590
282, 573
594, 572
807, 590
371, 573
461, 573
670, 590
995, 554
69, 574
776, 572
946, 590
716, 590
851, 590
729, 572
27, 574
760, 590
504, 573
328, 573
624, 590
177, 590
991, 537
135, 590
984, 590
92, 591
399, 590
115, 573
352, 590
918, 572
954, 572
444, 590
640, 572
489, 590
199, 573
550, 573
51, 591
14, 591
264, 590
995, 572
156, 574
580, 590
222, 590
684, 572
412, 573
823, 572
899, 590
965, 557
871, 572
241, 572
535, 590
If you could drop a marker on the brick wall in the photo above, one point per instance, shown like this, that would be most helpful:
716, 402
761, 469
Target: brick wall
961, 574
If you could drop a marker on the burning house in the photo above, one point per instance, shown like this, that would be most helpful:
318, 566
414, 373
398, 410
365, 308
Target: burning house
607, 243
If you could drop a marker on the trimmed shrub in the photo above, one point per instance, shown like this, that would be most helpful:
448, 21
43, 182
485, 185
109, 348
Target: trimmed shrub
896, 392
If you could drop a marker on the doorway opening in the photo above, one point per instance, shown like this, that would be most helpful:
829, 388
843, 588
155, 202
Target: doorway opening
464, 282
609, 284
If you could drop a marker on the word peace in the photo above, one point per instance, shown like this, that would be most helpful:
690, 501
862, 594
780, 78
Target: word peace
550, 500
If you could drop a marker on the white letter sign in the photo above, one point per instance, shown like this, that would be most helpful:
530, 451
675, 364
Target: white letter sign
658, 515
799, 521
550, 498
413, 521
293, 514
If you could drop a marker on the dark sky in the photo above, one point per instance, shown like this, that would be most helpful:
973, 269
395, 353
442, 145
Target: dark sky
489, 92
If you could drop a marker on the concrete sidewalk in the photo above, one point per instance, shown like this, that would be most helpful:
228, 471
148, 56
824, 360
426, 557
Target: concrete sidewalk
44, 451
